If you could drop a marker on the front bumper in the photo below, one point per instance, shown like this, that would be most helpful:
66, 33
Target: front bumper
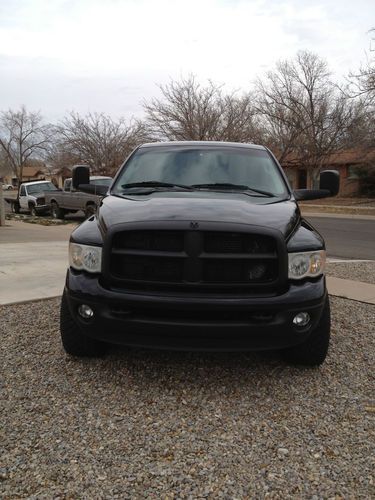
42, 209
205, 323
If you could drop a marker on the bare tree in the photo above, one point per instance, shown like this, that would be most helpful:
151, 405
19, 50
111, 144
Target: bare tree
277, 101
304, 112
362, 82
190, 111
96, 139
23, 136
186, 111
361, 87
239, 120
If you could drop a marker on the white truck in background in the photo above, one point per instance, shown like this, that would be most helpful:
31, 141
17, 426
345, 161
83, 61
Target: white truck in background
31, 197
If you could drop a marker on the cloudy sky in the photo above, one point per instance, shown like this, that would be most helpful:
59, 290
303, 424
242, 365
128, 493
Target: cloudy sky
107, 55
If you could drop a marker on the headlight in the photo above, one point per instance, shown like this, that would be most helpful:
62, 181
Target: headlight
304, 264
85, 258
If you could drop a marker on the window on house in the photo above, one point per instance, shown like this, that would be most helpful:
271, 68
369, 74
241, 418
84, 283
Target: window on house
290, 176
352, 172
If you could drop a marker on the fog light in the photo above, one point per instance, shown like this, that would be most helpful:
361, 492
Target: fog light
85, 311
301, 319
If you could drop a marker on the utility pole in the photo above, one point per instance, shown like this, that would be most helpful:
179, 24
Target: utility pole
2, 206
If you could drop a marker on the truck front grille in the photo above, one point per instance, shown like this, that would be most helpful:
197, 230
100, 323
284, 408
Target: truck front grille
200, 259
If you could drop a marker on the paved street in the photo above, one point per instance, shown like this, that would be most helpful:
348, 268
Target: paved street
34, 258
350, 237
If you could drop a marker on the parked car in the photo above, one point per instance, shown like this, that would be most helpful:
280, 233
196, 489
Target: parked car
199, 246
7, 187
31, 197
70, 200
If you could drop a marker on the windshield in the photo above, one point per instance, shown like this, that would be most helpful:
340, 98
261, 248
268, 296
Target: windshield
39, 188
203, 168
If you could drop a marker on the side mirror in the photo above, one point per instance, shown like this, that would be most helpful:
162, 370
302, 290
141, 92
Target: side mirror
98, 189
80, 175
330, 179
329, 186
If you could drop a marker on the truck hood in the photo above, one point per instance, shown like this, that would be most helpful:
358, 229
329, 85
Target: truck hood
206, 206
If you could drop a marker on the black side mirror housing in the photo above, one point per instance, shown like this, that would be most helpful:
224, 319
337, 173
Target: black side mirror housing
329, 185
330, 179
98, 189
80, 175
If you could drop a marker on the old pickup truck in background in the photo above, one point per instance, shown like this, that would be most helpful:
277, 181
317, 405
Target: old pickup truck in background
70, 200
31, 197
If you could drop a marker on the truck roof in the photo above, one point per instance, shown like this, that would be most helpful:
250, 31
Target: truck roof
34, 182
93, 177
201, 144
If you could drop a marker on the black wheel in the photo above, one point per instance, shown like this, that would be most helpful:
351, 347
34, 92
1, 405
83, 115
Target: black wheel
56, 211
73, 340
16, 208
314, 350
90, 210
33, 211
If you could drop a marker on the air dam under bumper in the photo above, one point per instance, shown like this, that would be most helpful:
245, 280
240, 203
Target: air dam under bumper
204, 323
42, 209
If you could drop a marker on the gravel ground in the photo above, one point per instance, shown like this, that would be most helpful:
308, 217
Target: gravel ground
146, 424
357, 271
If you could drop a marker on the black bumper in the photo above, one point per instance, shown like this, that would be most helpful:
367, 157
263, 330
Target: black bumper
42, 209
206, 323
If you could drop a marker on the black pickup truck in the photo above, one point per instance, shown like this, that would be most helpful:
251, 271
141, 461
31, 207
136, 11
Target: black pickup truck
199, 246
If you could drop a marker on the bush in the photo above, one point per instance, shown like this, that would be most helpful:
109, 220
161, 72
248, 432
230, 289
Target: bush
366, 176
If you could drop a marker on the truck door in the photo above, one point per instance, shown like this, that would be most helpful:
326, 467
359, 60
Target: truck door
23, 197
68, 197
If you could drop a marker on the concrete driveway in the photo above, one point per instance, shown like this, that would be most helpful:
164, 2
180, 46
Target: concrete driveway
33, 261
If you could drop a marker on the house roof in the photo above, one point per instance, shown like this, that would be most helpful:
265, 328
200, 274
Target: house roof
31, 171
347, 157
351, 156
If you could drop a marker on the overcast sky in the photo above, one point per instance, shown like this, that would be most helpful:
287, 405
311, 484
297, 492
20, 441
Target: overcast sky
107, 55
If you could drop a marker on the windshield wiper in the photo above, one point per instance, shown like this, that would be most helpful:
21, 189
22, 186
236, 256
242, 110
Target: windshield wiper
241, 187
156, 184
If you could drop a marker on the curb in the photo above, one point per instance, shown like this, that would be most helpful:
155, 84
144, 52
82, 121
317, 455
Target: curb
26, 301
338, 209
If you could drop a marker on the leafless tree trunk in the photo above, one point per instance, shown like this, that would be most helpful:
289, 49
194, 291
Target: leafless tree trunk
4, 170
23, 136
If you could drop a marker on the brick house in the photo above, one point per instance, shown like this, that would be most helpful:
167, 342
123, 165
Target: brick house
347, 163
30, 173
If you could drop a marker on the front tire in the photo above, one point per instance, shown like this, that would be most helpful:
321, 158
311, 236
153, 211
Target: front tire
16, 208
33, 211
73, 340
314, 350
90, 210
56, 211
